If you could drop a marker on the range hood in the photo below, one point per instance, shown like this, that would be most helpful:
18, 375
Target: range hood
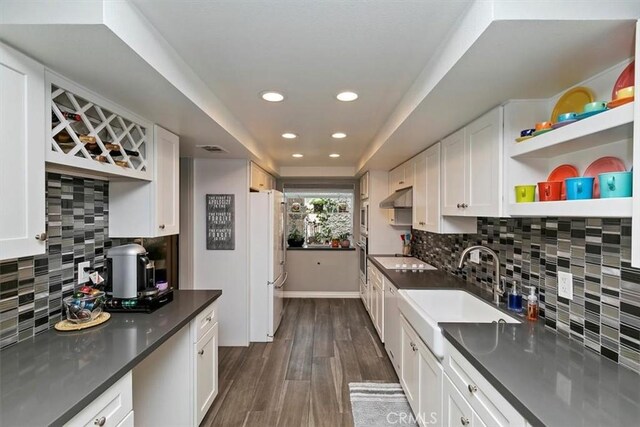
400, 199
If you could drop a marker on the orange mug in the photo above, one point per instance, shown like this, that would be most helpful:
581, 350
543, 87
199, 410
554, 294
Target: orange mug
543, 125
549, 191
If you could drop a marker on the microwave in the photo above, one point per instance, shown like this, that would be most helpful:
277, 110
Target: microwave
364, 218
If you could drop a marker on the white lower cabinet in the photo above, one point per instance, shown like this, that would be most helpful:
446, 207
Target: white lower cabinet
111, 408
375, 299
451, 392
128, 421
392, 325
206, 372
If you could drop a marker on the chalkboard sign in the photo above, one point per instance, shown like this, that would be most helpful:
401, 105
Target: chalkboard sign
221, 222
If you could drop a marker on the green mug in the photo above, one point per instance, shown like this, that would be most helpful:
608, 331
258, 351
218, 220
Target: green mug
525, 193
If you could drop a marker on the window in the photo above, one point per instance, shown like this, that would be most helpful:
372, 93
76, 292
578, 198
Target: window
318, 216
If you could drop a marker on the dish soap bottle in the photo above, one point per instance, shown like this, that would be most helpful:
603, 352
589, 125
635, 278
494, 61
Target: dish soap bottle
514, 302
532, 304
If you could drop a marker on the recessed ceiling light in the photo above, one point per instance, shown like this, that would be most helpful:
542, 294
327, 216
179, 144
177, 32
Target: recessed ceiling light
347, 96
334, 155
272, 96
297, 155
289, 135
339, 135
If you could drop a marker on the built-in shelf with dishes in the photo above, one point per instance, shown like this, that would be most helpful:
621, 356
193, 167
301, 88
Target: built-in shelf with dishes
607, 134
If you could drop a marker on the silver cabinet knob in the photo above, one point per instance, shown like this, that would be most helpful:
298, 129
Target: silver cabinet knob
464, 421
413, 347
401, 182
472, 388
201, 352
208, 319
458, 206
42, 237
100, 421
464, 205
162, 226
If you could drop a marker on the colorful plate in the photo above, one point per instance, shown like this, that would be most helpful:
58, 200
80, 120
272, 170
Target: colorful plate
572, 100
625, 79
523, 138
563, 123
589, 114
603, 165
541, 131
618, 102
560, 174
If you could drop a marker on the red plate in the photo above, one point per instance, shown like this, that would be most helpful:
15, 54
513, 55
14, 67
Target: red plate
625, 79
560, 174
603, 165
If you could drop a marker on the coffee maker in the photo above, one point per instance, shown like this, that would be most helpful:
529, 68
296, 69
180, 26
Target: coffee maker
130, 272
131, 281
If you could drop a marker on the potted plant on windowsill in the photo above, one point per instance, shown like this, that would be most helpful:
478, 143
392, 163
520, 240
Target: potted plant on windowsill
335, 242
318, 205
344, 240
295, 239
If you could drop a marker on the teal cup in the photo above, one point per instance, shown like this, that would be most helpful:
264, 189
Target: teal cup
616, 184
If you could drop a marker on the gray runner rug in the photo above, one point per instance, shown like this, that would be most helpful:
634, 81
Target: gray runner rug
380, 404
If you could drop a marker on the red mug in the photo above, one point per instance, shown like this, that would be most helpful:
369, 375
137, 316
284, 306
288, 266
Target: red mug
549, 191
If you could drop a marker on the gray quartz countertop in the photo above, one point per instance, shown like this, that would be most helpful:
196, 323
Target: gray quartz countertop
48, 379
550, 379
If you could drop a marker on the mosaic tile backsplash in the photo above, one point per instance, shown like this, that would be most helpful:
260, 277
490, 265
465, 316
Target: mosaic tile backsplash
604, 314
32, 288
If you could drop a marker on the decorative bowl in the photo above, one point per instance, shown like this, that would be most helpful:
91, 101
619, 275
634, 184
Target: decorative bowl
85, 308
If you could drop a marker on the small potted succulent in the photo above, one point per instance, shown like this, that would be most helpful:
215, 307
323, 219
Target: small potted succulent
335, 242
295, 239
344, 240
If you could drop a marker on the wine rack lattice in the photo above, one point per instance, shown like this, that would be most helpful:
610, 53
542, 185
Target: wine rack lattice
90, 136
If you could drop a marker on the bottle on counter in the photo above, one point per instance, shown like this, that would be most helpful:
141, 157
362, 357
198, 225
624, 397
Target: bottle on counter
514, 302
532, 304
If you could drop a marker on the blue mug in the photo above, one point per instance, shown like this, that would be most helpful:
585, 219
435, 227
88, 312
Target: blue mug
579, 188
616, 184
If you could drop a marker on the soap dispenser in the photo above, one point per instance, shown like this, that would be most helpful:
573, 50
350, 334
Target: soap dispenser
532, 304
514, 302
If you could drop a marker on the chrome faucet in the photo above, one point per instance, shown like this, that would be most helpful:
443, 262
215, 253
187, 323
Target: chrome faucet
498, 289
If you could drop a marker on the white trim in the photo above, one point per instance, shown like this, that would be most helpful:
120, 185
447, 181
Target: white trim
321, 294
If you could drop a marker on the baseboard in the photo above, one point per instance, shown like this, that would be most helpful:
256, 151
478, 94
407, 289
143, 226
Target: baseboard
321, 294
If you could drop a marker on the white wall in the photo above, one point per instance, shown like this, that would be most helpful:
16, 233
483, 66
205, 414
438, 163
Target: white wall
226, 270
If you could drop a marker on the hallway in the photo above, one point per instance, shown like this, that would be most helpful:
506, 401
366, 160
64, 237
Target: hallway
302, 378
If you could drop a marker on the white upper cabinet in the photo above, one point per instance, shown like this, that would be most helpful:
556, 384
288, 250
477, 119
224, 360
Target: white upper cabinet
149, 209
472, 168
426, 197
22, 167
260, 180
364, 186
402, 176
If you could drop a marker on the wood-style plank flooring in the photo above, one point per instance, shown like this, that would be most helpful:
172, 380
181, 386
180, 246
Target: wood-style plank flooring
302, 378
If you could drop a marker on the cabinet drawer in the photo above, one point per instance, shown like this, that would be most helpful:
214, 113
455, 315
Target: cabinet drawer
204, 322
112, 406
489, 404
128, 421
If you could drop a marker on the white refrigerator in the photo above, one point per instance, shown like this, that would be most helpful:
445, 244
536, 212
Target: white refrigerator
267, 259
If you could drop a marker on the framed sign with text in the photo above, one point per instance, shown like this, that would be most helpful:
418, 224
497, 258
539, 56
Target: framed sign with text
221, 222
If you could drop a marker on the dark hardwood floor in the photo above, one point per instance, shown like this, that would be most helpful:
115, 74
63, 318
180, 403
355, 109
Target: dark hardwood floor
302, 378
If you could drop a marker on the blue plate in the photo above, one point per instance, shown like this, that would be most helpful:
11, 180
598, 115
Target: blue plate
589, 114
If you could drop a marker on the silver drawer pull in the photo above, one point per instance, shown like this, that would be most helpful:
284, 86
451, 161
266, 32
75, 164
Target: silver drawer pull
100, 421
201, 352
472, 388
208, 319
162, 226
464, 421
42, 237
413, 347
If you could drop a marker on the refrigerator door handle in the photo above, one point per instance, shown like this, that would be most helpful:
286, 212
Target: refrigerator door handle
281, 285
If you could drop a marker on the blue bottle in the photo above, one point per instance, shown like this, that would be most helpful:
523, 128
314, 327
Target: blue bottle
514, 301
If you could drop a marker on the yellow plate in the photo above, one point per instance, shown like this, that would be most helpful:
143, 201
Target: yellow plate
523, 138
572, 101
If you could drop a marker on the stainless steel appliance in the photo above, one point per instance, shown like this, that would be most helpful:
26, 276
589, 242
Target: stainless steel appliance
362, 253
364, 218
130, 272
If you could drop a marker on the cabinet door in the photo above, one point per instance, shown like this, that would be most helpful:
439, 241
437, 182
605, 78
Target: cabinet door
396, 179
206, 372
484, 165
456, 410
380, 308
419, 220
408, 167
432, 219
454, 172
409, 370
430, 386
167, 182
22, 148
364, 186
392, 325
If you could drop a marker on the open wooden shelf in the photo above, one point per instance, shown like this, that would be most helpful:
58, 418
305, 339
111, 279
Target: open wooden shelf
601, 129
612, 208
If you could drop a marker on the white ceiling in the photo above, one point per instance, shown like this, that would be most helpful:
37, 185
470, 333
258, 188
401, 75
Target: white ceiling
309, 50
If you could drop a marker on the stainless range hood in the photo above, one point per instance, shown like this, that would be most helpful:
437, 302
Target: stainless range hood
400, 199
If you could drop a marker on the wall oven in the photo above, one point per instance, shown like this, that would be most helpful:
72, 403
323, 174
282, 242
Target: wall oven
363, 252
364, 218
